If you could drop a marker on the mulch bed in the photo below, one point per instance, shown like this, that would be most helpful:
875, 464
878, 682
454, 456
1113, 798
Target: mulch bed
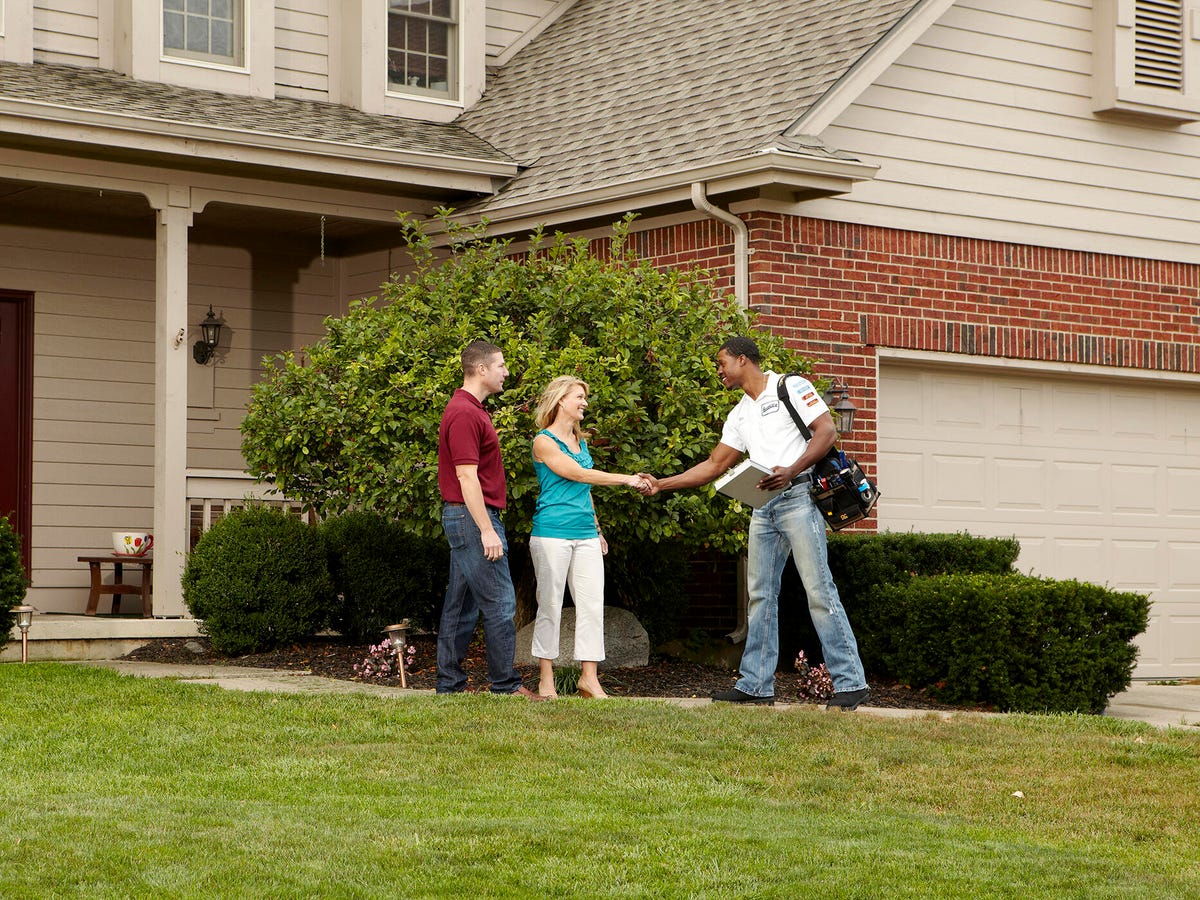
663, 677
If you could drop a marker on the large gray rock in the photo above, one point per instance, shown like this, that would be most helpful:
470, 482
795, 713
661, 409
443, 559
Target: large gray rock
625, 640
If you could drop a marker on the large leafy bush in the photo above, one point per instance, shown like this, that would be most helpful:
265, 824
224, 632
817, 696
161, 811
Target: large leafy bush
258, 579
352, 421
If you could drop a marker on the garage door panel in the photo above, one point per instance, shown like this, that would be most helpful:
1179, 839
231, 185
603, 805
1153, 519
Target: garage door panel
1099, 479
1020, 484
1136, 490
1077, 487
1183, 492
960, 405
1135, 417
1183, 566
958, 481
1134, 565
1020, 413
1079, 413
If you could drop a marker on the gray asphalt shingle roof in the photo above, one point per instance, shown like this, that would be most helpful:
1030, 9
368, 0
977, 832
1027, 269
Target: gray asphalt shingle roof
615, 91
100, 90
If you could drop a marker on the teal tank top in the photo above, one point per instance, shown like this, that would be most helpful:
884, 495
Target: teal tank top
564, 507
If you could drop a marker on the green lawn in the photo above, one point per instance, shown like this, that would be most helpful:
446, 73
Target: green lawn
119, 787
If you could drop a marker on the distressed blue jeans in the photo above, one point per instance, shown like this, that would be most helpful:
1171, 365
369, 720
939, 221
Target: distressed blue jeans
477, 585
792, 524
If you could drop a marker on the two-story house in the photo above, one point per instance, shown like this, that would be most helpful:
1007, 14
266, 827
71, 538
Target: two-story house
981, 215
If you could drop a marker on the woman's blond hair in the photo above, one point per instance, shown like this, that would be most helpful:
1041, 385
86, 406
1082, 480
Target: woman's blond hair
553, 395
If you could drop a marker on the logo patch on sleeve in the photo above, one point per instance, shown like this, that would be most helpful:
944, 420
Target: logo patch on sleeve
813, 402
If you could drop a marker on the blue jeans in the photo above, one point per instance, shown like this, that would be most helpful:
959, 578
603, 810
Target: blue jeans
792, 524
476, 585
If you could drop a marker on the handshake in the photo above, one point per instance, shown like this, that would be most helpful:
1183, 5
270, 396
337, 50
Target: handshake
644, 483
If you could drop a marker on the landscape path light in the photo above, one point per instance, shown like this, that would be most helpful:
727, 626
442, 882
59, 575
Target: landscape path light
398, 636
24, 620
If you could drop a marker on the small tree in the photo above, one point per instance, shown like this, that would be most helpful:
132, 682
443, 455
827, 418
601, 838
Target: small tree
13, 583
353, 420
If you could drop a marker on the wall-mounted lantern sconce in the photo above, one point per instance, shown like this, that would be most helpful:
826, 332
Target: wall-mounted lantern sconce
842, 408
210, 330
24, 620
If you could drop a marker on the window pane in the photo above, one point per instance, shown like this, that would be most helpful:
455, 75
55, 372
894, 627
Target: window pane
443, 8
173, 5
197, 34
199, 7
415, 39
222, 39
222, 9
439, 39
172, 30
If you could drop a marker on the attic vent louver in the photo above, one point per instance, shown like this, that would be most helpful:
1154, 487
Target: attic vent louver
1158, 44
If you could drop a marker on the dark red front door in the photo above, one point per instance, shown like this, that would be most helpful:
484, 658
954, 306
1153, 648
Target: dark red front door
16, 412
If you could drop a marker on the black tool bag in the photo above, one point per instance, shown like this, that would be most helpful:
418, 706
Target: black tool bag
840, 489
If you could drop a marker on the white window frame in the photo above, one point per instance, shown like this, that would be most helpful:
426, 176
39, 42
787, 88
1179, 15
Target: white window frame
139, 52
1116, 88
237, 60
16, 31
449, 88
363, 69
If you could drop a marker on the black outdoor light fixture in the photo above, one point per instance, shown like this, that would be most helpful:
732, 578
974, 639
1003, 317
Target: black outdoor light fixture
24, 616
210, 331
843, 409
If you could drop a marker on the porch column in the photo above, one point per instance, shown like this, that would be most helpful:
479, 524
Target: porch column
171, 354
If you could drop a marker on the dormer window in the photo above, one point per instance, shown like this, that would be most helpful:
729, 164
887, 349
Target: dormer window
422, 48
204, 30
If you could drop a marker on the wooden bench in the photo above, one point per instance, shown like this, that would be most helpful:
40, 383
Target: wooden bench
117, 588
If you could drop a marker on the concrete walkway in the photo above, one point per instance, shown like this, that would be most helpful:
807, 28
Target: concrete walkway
1163, 705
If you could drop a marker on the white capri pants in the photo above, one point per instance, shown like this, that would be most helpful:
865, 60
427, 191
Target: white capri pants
558, 562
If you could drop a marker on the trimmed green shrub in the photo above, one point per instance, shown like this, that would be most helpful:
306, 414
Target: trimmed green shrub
649, 580
258, 579
384, 573
12, 578
1013, 641
861, 561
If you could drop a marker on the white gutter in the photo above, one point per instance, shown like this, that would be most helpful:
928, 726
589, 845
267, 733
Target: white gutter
741, 242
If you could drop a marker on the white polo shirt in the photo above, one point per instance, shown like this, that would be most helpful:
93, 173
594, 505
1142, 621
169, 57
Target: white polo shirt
764, 428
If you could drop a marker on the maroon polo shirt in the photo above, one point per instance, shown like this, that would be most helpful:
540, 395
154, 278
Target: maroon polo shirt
467, 437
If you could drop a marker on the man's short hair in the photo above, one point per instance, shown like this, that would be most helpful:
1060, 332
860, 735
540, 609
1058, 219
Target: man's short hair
477, 353
742, 346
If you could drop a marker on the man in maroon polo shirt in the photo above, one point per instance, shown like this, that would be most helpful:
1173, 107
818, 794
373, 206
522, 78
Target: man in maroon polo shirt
471, 481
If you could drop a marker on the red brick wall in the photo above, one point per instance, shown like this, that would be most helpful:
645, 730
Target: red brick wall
837, 291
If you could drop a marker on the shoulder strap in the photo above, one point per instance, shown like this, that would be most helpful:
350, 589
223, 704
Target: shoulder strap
554, 437
787, 401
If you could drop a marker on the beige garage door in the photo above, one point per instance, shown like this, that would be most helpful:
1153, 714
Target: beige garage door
1098, 479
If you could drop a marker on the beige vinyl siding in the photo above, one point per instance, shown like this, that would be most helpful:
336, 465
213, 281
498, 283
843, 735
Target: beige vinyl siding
508, 20
93, 435
271, 300
302, 29
984, 128
67, 32
93, 406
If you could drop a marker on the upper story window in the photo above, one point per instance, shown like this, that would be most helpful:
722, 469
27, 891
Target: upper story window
422, 47
1147, 60
204, 30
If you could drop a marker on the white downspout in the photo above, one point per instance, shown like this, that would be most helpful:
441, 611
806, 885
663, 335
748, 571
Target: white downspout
741, 242
741, 290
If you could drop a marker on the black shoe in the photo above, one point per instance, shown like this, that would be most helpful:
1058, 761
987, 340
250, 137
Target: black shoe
847, 700
736, 696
